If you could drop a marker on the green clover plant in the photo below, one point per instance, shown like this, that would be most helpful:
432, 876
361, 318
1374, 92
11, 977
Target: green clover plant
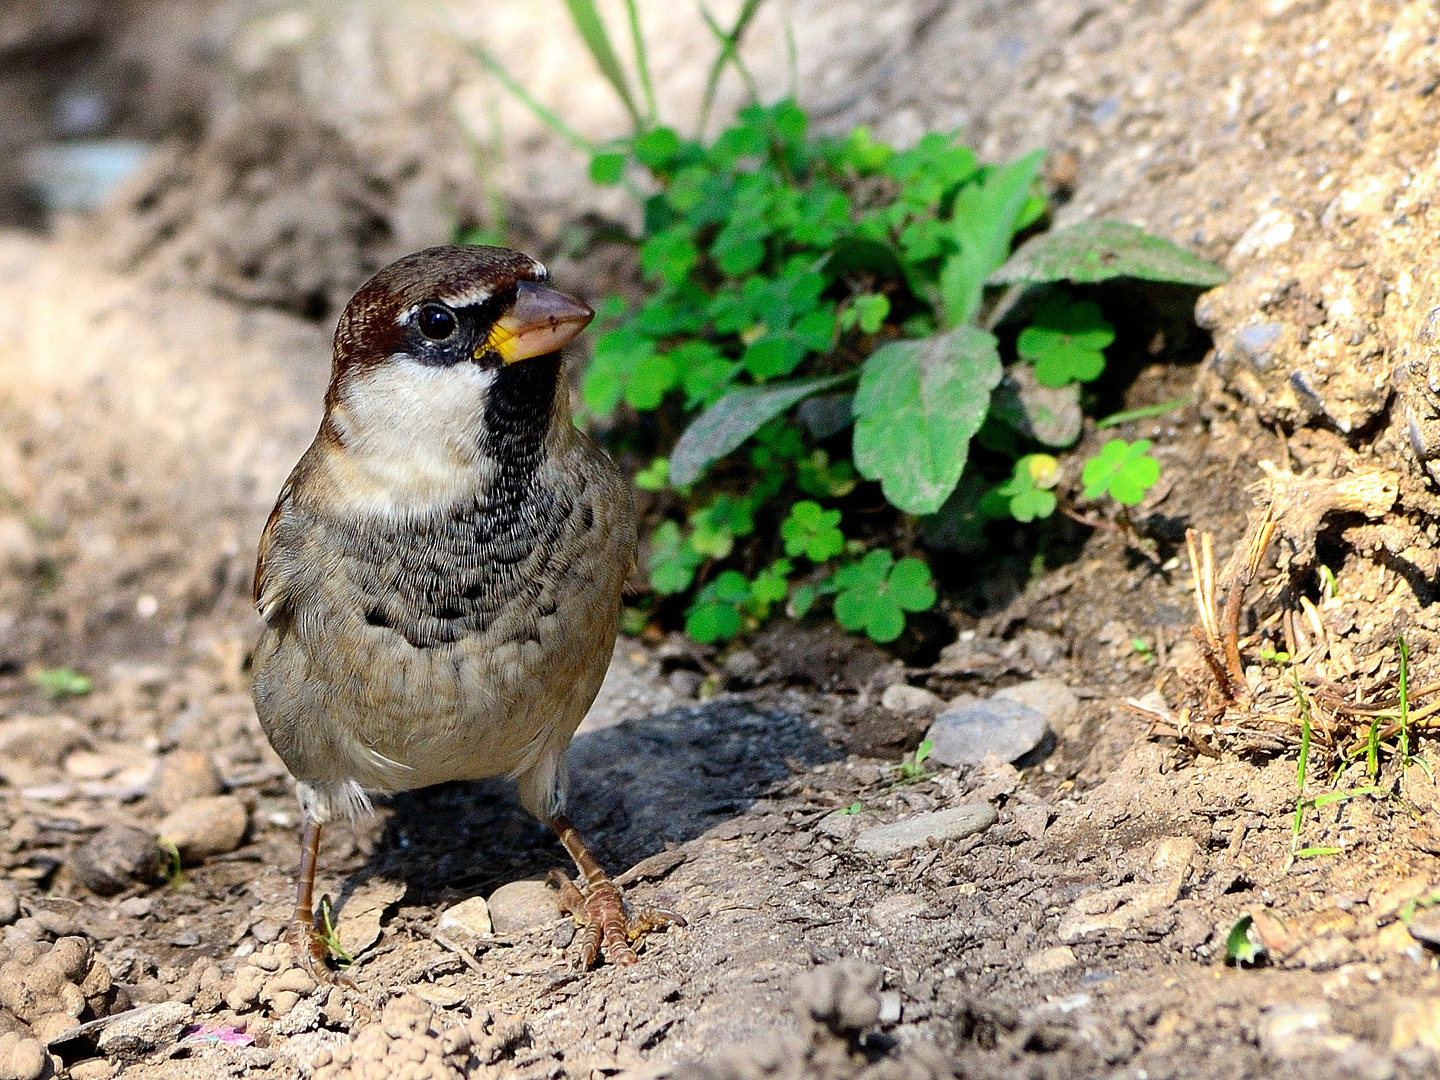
816, 339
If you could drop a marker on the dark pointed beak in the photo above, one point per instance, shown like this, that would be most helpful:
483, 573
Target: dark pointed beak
540, 321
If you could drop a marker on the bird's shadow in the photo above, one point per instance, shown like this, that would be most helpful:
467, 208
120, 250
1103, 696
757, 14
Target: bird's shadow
636, 788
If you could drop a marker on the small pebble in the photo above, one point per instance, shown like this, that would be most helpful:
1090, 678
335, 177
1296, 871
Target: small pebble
904, 698
465, 921
183, 776
970, 733
9, 903
205, 827
1425, 927
117, 858
886, 841
22, 1058
1050, 961
520, 905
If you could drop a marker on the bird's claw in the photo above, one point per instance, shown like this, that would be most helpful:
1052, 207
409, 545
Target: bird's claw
607, 927
311, 953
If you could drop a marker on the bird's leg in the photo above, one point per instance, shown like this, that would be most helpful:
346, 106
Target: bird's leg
303, 936
606, 925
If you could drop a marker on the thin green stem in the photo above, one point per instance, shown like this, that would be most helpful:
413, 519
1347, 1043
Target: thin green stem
1300, 770
642, 63
543, 114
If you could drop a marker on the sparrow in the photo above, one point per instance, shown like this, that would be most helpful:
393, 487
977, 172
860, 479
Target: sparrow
440, 578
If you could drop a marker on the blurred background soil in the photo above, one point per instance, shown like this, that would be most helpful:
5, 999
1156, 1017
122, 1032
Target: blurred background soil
164, 344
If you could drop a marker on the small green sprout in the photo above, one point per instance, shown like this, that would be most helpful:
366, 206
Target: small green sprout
914, 769
1280, 658
1142, 649
1124, 471
174, 876
853, 808
868, 312
1241, 947
329, 938
875, 594
62, 682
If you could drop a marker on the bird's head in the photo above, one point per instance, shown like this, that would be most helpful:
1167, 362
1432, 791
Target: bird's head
447, 357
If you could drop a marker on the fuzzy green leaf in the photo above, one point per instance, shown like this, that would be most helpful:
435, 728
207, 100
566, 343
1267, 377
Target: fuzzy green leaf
916, 409
1091, 251
983, 223
732, 420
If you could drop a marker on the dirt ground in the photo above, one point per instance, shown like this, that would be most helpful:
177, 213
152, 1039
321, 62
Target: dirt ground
161, 367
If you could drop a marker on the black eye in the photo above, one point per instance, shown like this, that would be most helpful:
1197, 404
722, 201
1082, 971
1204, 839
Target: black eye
436, 323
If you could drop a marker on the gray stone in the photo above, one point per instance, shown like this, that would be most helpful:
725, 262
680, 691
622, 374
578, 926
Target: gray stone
999, 726
117, 858
205, 827
520, 905
1256, 344
142, 1031
885, 841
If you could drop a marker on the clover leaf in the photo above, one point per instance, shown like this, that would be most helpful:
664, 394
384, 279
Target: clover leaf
715, 615
1026, 495
627, 367
770, 586
812, 532
673, 560
655, 476
717, 525
1065, 341
876, 592
1123, 470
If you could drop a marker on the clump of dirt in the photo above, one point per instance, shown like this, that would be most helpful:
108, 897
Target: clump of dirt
270, 208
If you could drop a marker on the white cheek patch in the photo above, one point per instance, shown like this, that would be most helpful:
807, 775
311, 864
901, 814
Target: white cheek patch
410, 434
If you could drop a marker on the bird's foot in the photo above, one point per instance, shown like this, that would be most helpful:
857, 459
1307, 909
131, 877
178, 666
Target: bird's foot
607, 927
312, 952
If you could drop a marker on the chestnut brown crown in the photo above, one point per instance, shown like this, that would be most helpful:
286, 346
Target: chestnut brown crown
451, 305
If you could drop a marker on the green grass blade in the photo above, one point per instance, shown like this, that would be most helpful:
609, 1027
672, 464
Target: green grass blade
591, 27
1404, 704
544, 115
642, 63
729, 54
1142, 413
